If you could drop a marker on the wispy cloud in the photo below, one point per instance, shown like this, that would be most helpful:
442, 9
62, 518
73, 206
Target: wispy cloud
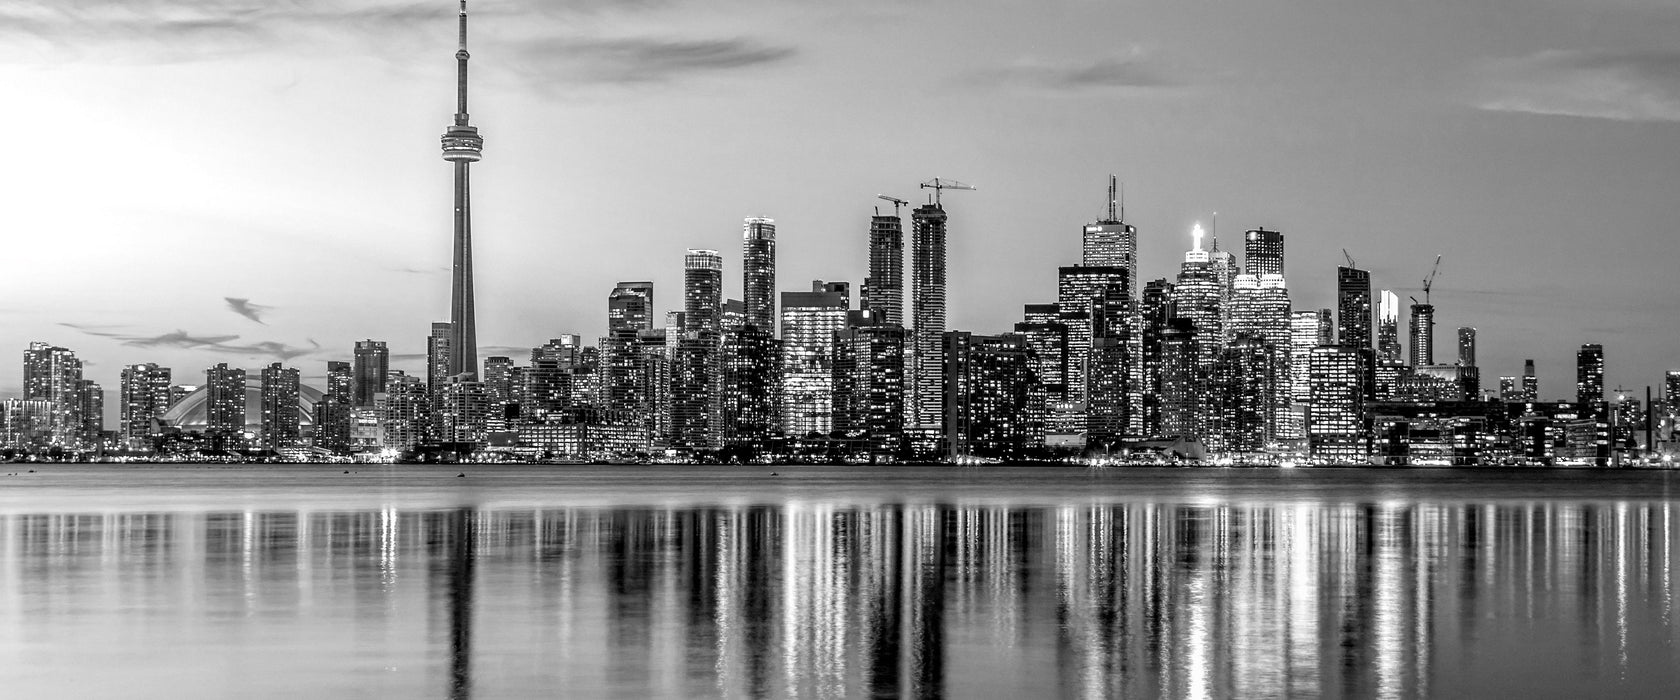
177, 339
267, 348
640, 59
1134, 69
1623, 85
245, 308
100, 331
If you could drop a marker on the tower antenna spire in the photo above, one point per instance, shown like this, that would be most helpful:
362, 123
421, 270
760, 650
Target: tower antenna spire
1122, 201
461, 57
1113, 199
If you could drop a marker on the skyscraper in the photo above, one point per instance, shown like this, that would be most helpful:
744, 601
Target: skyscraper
1335, 422
869, 386
145, 398
989, 396
750, 386
1263, 252
462, 146
810, 321
1198, 297
52, 373
885, 297
1589, 373
1530, 382
1155, 311
333, 415
373, 363
703, 290
1079, 289
1111, 242
1467, 346
280, 424
440, 356
1388, 329
1423, 334
927, 300
1260, 311
630, 306
1353, 321
758, 272
225, 399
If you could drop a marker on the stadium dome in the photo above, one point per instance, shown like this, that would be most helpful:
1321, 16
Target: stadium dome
189, 414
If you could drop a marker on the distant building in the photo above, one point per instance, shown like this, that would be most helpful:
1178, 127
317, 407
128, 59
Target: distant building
810, 321
869, 387
1388, 330
1263, 252
1589, 373
438, 362
1423, 334
630, 307
335, 413
750, 386
1335, 421
404, 412
462, 412
54, 374
990, 394
373, 362
280, 424
924, 401
145, 397
1531, 383
758, 272
885, 295
225, 405
1260, 310
703, 291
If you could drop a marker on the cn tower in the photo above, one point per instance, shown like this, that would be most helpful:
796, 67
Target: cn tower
462, 146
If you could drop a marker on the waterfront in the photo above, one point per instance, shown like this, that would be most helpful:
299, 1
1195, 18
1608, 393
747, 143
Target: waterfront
211, 581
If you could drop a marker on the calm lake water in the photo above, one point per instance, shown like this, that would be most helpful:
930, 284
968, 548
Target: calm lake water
410, 582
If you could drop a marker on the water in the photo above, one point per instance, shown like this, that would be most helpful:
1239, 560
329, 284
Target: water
215, 582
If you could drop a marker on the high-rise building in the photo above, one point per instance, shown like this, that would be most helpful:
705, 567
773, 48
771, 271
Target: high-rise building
696, 391
462, 146
1078, 291
54, 374
990, 393
1155, 311
404, 412
498, 388
439, 360
1467, 346
1389, 349
758, 272
92, 412
869, 387
280, 420
1307, 330
1199, 296
1589, 373
373, 363
703, 291
1109, 375
1260, 310
1243, 388
1530, 382
630, 307
334, 413
885, 297
1335, 420
1423, 334
1353, 321
225, 399
1110, 242
461, 412
145, 398
810, 321
1182, 380
925, 402
1263, 252
750, 386
1509, 391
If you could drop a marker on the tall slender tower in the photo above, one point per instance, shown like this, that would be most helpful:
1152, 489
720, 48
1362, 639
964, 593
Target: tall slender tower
462, 146
926, 404
758, 272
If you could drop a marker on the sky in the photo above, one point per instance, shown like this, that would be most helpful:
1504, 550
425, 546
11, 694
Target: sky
250, 181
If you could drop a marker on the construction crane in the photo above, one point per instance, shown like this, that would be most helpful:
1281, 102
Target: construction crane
896, 202
1349, 257
1430, 280
939, 185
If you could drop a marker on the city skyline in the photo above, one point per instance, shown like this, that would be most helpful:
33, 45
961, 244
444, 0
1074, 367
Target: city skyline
997, 263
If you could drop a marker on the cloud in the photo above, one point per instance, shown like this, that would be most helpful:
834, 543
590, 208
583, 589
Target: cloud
639, 60
1622, 85
1134, 69
267, 348
177, 339
245, 308
100, 331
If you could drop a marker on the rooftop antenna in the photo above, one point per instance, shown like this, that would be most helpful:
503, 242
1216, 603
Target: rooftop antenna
1113, 198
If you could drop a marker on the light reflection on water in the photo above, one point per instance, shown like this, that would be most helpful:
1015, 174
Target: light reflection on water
1046, 584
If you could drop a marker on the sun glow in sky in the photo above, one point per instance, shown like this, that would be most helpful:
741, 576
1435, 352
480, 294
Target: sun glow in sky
230, 180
